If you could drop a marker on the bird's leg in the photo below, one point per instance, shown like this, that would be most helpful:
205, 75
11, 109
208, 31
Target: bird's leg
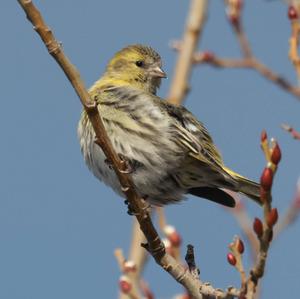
126, 164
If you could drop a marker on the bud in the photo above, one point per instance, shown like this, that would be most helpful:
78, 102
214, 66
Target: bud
276, 154
292, 13
175, 239
172, 235
240, 246
263, 136
124, 284
234, 20
258, 227
129, 266
272, 217
266, 179
208, 56
231, 259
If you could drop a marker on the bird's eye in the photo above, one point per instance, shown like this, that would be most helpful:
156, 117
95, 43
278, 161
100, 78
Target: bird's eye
139, 63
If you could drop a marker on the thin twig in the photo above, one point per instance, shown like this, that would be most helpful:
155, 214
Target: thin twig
249, 63
295, 134
128, 289
243, 219
264, 231
138, 255
291, 214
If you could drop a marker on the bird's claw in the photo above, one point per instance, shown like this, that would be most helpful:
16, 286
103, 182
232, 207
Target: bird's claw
127, 168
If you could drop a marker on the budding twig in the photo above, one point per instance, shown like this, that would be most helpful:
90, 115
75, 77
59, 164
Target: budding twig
264, 230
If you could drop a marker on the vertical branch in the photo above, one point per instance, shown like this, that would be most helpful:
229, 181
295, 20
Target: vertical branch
194, 25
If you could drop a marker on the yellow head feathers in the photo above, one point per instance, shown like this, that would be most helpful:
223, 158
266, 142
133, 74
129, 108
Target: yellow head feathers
136, 65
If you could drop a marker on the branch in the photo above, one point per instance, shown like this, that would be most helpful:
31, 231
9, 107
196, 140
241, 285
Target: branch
249, 63
194, 25
264, 230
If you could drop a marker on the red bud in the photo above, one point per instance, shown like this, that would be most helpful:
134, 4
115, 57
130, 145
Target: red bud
240, 246
234, 20
231, 259
175, 239
263, 136
208, 56
276, 154
258, 227
266, 179
272, 217
172, 235
292, 13
125, 285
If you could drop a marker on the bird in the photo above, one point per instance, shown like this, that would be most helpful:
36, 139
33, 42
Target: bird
169, 152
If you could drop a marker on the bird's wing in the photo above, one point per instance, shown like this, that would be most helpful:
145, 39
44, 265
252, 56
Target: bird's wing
193, 136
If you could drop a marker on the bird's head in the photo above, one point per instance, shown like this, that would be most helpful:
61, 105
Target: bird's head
138, 66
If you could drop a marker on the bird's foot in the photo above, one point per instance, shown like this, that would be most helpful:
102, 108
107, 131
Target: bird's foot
126, 165
132, 212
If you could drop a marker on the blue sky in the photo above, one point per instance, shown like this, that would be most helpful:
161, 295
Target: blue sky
58, 224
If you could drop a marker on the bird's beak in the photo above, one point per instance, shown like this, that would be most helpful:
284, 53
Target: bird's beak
158, 72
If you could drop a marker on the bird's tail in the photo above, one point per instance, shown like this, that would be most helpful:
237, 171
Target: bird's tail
246, 186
